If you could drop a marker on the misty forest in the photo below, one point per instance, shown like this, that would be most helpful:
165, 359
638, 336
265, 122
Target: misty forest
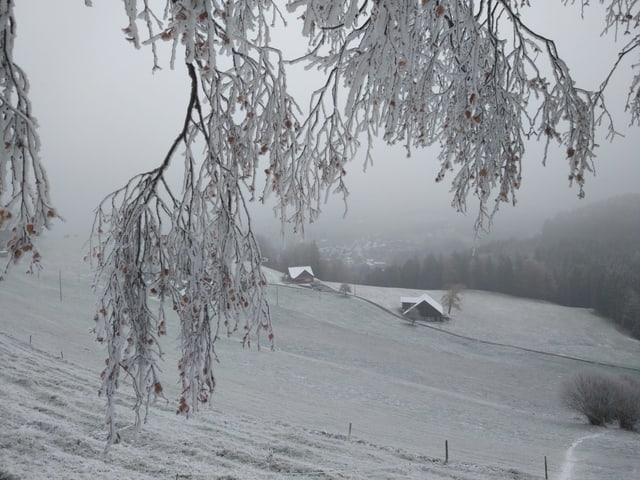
173, 249
584, 258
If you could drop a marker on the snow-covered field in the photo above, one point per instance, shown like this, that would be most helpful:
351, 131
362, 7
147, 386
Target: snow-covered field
286, 414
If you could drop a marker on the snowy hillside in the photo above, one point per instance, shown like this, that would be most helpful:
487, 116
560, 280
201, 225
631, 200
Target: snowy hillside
286, 414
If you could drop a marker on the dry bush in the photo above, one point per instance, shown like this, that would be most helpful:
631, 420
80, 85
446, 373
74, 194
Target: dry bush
604, 398
627, 402
591, 393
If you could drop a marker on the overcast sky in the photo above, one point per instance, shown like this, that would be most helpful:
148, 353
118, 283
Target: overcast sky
104, 117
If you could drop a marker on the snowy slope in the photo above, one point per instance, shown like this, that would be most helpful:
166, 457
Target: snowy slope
286, 414
50, 431
527, 323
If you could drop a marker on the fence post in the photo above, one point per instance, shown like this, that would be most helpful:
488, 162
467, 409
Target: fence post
546, 469
349, 436
446, 451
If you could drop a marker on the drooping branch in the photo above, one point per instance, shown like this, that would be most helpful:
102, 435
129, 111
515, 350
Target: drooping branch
129, 245
473, 78
25, 206
194, 250
469, 77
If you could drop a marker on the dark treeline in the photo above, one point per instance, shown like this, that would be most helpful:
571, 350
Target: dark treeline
586, 258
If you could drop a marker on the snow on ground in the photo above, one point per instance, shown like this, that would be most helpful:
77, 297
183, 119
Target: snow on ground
527, 323
286, 414
51, 431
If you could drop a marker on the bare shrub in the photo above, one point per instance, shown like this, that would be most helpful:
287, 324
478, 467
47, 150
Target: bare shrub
604, 398
593, 394
627, 402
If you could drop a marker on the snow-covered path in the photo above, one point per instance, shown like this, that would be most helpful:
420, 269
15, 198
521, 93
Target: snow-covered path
570, 459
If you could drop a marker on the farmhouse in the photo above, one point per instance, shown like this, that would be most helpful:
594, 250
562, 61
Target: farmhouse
300, 274
422, 308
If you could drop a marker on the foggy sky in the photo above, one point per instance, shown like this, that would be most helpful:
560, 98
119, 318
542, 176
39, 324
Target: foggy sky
105, 117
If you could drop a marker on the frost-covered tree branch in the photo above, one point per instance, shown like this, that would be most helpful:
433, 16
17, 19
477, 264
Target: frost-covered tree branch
25, 207
471, 77
623, 18
193, 251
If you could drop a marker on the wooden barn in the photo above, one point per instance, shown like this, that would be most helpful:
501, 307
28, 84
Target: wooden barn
300, 274
422, 308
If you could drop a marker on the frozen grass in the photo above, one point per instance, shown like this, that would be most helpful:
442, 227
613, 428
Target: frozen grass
285, 414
